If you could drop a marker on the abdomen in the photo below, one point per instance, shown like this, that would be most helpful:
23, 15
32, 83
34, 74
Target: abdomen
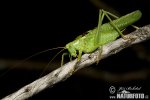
123, 21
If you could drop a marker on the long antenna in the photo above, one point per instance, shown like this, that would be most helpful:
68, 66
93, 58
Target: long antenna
51, 61
29, 58
38, 54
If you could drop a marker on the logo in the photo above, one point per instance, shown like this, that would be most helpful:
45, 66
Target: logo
112, 89
127, 93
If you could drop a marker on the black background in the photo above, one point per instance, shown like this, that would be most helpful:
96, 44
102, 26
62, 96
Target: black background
28, 27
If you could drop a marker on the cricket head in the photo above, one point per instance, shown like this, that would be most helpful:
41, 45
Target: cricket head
71, 49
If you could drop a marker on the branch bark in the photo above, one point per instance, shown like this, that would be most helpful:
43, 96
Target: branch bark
68, 69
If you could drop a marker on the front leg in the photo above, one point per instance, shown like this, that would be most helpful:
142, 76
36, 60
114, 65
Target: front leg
62, 58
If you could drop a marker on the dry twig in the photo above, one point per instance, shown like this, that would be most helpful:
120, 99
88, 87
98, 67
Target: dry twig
68, 69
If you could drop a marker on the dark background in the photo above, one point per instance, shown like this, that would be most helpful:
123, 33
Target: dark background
29, 27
